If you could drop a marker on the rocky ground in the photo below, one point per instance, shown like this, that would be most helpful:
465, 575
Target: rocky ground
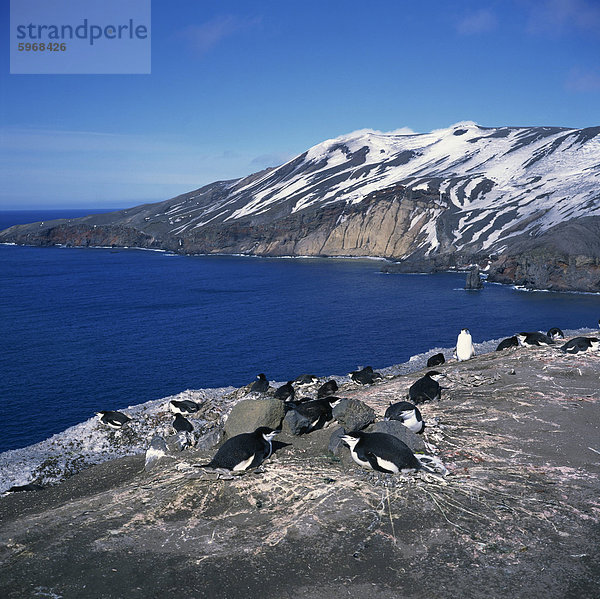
518, 515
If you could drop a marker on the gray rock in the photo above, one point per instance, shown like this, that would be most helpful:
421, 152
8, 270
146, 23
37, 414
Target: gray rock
177, 443
210, 439
473, 279
398, 430
295, 423
353, 414
158, 450
336, 445
247, 415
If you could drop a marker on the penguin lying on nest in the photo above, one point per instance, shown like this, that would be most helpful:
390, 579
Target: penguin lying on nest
427, 388
244, 451
112, 418
534, 339
581, 345
366, 376
386, 453
408, 414
285, 392
261, 385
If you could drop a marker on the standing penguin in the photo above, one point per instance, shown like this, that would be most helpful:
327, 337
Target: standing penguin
464, 346
244, 451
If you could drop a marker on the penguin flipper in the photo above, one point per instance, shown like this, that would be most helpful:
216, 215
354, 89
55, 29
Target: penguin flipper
372, 459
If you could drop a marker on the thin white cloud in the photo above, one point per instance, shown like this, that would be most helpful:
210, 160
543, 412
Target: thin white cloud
201, 38
583, 80
475, 23
400, 131
558, 17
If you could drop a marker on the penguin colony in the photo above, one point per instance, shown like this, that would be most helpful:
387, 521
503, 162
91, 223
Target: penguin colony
381, 452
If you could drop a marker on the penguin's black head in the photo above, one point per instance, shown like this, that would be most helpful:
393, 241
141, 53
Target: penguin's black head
368, 369
262, 376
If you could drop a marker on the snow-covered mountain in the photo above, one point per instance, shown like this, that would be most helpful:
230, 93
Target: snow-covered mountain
465, 191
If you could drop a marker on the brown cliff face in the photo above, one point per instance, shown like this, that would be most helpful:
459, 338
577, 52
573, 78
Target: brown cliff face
395, 223
386, 224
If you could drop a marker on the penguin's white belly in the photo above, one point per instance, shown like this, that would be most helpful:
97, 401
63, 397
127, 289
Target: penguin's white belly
355, 457
412, 424
243, 465
389, 466
464, 348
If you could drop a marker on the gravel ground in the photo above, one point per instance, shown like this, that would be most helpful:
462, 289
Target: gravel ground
518, 515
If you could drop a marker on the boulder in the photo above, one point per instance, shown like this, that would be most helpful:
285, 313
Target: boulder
247, 415
295, 423
398, 430
336, 445
156, 452
353, 414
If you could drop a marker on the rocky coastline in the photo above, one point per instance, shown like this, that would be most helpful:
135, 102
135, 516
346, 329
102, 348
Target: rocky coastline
517, 430
565, 258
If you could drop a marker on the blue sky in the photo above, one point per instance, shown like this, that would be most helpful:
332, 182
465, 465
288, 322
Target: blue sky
237, 86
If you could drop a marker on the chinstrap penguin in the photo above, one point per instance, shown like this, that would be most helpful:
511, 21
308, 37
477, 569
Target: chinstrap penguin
185, 406
244, 451
581, 345
327, 389
436, 360
286, 392
555, 333
317, 412
306, 380
533, 339
182, 425
427, 388
508, 342
366, 376
261, 385
408, 414
464, 346
112, 418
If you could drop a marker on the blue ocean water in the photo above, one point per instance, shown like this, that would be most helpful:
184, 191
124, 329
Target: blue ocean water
90, 329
